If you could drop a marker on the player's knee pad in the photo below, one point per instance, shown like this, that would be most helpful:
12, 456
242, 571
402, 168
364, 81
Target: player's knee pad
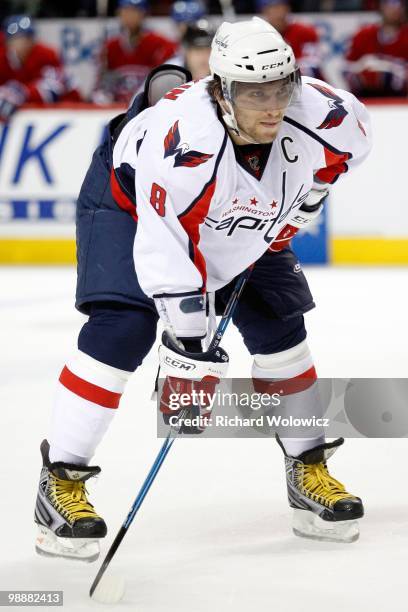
285, 372
119, 335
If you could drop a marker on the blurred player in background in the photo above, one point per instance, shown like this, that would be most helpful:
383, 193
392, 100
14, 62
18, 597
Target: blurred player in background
303, 38
378, 54
196, 46
186, 12
29, 70
127, 59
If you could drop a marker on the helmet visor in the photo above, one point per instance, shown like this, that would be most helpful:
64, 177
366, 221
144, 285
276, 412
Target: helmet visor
271, 95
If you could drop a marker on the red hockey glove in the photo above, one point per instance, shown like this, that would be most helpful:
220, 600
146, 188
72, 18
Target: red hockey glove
190, 383
307, 213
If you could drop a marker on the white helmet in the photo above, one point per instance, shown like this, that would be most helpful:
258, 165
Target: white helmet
251, 52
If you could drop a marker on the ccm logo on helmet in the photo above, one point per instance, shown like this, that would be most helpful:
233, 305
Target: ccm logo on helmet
222, 43
269, 66
177, 363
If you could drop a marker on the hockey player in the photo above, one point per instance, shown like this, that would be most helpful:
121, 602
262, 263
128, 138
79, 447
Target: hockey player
187, 12
377, 60
126, 60
303, 38
217, 175
196, 45
29, 70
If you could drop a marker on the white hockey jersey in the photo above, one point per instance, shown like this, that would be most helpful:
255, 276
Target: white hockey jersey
202, 217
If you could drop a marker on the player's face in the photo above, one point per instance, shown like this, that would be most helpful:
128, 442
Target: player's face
261, 126
131, 18
260, 107
20, 45
197, 61
393, 12
276, 15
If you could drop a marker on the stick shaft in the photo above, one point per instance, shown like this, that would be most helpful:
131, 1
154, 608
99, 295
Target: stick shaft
230, 307
168, 442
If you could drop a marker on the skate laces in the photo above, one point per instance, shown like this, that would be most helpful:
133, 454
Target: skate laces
321, 486
70, 499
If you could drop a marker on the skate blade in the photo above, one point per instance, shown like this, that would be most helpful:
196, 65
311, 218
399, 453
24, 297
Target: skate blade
306, 524
81, 549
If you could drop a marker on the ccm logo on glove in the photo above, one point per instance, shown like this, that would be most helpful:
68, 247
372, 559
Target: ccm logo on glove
177, 363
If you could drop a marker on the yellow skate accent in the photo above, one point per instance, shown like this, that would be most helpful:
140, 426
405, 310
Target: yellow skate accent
69, 499
317, 484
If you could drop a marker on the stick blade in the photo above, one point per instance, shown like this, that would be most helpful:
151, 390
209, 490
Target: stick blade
109, 590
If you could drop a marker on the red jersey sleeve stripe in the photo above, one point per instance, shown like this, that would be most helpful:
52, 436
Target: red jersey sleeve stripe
335, 165
120, 197
195, 214
191, 223
89, 391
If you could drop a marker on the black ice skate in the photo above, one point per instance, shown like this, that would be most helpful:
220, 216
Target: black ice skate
68, 523
323, 510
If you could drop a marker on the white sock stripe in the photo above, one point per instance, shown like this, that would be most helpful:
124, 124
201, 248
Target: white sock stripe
286, 364
98, 373
284, 357
123, 374
284, 371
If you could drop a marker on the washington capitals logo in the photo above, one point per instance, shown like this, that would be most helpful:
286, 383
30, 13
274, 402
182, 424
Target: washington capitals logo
183, 156
336, 116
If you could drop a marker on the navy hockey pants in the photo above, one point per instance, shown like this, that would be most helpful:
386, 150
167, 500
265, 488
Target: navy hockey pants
122, 320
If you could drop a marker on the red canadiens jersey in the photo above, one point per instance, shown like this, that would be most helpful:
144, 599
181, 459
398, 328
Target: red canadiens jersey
298, 35
304, 41
125, 67
376, 63
42, 74
368, 41
203, 216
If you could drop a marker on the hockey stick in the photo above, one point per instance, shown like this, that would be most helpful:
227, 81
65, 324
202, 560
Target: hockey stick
227, 8
168, 442
230, 307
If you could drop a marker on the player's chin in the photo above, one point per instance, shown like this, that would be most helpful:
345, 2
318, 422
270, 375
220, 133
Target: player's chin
267, 132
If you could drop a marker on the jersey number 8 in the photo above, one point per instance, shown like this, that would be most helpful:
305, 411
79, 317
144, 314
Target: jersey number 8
158, 199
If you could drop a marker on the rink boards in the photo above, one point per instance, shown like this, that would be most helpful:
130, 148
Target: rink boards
44, 154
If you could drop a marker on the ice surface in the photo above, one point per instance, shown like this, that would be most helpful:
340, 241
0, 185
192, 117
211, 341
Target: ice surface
214, 533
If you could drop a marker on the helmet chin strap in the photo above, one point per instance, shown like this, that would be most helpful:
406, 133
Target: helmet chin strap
231, 122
